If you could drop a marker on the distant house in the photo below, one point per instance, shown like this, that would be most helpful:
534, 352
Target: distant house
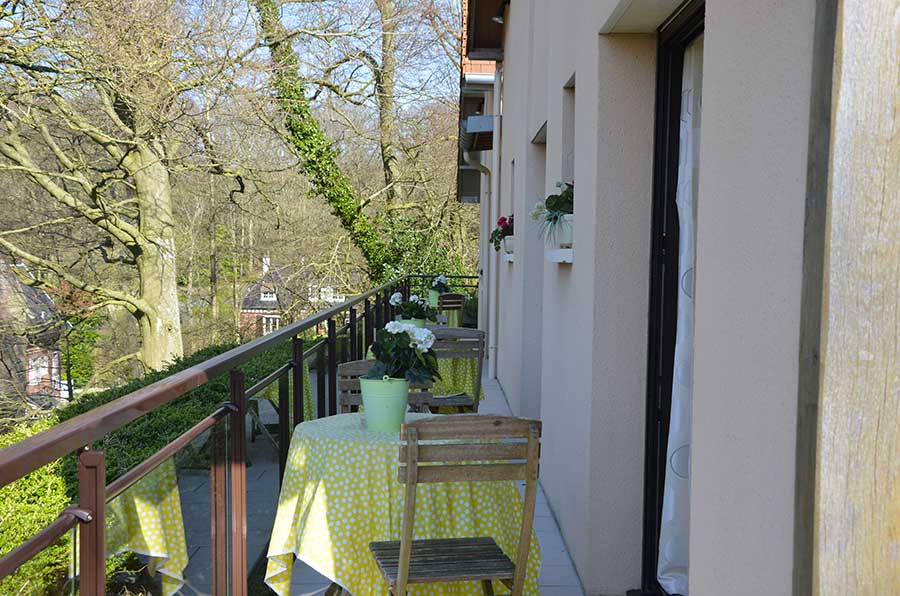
284, 295
261, 308
31, 373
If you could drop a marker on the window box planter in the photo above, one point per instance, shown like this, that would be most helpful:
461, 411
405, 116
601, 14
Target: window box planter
560, 255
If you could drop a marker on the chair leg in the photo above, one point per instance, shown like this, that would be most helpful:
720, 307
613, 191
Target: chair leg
487, 587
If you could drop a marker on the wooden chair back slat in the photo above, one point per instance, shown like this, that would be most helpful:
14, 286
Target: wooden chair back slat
350, 393
466, 473
469, 452
469, 426
441, 332
451, 301
441, 443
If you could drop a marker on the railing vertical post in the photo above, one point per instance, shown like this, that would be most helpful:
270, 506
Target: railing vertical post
386, 305
92, 498
379, 312
354, 335
218, 511
368, 328
284, 418
332, 366
238, 486
297, 372
320, 381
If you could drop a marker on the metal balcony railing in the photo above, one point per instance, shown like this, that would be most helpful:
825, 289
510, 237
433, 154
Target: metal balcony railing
350, 331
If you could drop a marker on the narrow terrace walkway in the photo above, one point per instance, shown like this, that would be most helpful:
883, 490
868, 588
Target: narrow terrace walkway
557, 578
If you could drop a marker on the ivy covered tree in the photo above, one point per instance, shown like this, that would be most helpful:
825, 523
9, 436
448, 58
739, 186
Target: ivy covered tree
309, 141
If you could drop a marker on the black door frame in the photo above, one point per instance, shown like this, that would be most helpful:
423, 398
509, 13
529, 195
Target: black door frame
674, 37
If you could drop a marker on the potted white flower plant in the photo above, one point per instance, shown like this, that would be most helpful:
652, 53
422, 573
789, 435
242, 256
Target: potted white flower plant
555, 216
415, 311
438, 286
403, 355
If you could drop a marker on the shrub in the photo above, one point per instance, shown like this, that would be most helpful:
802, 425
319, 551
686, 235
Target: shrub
26, 506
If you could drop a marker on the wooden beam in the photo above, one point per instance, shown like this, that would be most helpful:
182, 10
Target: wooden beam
858, 476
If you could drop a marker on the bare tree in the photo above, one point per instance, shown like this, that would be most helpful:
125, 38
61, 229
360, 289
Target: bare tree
97, 100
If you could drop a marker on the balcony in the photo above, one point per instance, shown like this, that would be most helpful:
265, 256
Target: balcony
222, 476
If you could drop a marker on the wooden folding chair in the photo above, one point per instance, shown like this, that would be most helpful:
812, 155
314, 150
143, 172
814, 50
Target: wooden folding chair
459, 342
450, 304
349, 395
501, 449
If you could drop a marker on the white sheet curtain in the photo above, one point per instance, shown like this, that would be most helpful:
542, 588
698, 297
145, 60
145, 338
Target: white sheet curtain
672, 570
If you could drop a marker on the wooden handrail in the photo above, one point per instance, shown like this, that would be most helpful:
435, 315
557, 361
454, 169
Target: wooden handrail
28, 455
50, 534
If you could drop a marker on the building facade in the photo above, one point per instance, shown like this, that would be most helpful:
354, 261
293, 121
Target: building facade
670, 351
32, 378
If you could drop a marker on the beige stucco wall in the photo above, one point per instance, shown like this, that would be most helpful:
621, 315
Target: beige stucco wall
621, 280
522, 183
556, 333
589, 319
749, 249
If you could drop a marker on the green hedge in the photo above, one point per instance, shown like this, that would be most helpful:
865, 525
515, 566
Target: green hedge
26, 506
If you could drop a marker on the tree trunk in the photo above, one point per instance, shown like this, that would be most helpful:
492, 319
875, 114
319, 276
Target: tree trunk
384, 88
160, 323
213, 272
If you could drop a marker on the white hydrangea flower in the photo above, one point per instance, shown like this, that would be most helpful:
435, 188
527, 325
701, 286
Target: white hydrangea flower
396, 299
413, 298
422, 339
395, 327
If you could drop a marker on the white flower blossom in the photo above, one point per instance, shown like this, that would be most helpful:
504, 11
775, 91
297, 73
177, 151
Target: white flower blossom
539, 212
395, 327
396, 299
413, 298
421, 339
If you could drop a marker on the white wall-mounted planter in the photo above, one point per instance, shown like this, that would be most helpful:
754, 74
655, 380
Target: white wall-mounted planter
560, 255
509, 244
564, 232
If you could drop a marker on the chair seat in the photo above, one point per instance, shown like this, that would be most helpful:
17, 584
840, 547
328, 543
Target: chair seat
446, 560
457, 399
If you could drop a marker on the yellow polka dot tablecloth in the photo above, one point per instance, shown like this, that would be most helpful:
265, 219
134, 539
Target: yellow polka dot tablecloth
146, 519
340, 492
458, 375
454, 317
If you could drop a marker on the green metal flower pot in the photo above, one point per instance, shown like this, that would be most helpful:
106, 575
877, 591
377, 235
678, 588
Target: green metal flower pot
384, 401
433, 298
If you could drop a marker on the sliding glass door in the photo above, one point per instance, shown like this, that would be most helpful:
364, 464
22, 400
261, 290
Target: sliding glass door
670, 370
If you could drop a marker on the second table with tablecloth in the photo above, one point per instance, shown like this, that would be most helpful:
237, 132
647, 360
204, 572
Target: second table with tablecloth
341, 491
